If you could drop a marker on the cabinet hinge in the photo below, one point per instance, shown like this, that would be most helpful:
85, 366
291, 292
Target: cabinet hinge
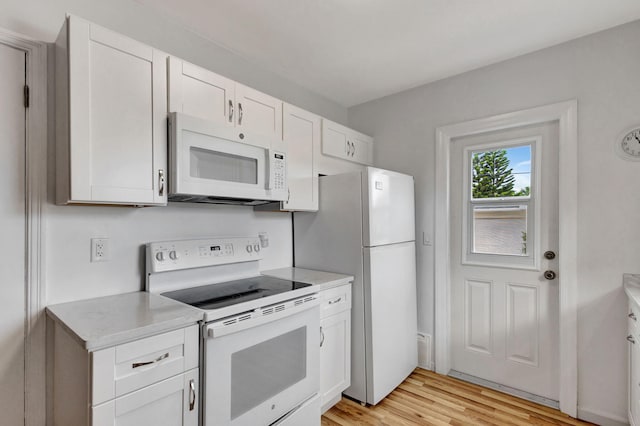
26, 96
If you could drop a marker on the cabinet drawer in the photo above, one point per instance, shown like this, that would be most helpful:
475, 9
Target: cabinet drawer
335, 300
125, 368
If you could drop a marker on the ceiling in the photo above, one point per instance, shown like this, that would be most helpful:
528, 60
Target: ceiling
353, 51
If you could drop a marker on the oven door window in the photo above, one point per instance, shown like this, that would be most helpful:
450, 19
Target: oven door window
222, 166
264, 370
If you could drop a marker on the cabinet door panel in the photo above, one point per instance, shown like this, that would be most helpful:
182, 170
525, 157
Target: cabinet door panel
334, 139
200, 92
361, 150
301, 132
113, 113
165, 403
335, 355
258, 112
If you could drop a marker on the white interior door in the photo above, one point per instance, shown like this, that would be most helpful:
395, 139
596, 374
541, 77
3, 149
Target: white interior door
12, 251
504, 312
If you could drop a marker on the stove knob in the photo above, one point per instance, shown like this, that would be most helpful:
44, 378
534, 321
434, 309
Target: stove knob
256, 248
160, 256
173, 255
249, 248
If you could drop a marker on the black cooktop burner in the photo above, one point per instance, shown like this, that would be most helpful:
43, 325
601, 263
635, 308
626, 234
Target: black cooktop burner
214, 296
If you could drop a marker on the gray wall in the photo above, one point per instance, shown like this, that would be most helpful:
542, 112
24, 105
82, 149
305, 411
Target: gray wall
601, 72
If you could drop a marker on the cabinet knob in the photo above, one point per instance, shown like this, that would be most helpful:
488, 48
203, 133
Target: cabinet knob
631, 339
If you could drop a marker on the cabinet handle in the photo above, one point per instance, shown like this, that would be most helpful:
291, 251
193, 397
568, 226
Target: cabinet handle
348, 148
192, 395
629, 338
288, 195
633, 316
239, 114
331, 302
230, 111
161, 182
353, 148
141, 364
321, 337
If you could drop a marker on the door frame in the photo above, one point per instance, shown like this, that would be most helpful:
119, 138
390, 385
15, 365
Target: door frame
35, 196
566, 113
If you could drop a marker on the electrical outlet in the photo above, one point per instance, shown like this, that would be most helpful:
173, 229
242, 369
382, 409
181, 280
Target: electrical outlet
99, 249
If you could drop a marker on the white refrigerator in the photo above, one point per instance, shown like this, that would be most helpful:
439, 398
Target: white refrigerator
365, 227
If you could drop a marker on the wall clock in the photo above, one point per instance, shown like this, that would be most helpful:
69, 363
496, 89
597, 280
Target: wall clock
628, 144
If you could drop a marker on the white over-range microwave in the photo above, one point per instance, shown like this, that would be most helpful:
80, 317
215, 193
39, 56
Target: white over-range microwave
215, 163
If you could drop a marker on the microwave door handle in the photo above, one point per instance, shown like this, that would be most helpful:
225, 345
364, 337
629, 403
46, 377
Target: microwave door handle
269, 182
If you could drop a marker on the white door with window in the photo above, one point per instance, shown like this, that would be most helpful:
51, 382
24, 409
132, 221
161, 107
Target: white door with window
504, 225
12, 252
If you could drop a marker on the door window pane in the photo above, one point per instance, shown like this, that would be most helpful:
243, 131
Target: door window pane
500, 229
499, 173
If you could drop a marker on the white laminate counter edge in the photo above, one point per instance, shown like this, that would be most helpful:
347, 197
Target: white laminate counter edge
631, 284
324, 280
112, 320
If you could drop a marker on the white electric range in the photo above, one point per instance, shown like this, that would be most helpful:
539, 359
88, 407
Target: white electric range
260, 335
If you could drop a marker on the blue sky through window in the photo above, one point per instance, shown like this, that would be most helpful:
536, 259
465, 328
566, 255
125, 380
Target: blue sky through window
520, 161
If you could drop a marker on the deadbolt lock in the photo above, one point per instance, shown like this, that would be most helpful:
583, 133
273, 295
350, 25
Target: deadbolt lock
549, 255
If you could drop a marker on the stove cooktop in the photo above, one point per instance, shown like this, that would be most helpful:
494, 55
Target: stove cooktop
220, 295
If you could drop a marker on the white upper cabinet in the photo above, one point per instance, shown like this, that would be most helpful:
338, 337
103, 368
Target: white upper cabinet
346, 144
111, 118
301, 130
205, 94
258, 112
199, 92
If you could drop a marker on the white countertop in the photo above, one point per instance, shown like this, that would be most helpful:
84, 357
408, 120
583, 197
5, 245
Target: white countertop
631, 284
112, 320
324, 280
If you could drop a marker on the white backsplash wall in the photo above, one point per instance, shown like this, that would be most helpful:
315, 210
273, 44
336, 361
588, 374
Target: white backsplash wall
71, 275
601, 72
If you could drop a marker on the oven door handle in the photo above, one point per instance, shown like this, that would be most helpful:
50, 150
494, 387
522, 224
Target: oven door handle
258, 317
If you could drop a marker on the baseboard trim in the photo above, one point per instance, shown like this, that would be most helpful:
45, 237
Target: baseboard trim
600, 417
505, 389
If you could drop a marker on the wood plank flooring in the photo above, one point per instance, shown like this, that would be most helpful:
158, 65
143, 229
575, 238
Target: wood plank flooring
427, 398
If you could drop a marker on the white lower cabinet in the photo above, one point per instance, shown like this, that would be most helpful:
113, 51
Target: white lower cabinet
170, 402
633, 336
149, 381
335, 344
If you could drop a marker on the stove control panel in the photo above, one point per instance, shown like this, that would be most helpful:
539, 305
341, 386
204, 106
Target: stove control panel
186, 254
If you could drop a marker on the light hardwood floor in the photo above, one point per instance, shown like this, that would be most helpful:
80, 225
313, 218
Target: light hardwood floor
427, 398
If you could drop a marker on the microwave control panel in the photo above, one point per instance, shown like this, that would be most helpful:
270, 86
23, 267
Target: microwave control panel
278, 171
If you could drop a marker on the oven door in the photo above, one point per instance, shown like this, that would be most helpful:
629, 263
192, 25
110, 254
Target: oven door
257, 374
212, 160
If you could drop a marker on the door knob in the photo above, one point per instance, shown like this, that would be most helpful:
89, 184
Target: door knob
550, 275
549, 255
